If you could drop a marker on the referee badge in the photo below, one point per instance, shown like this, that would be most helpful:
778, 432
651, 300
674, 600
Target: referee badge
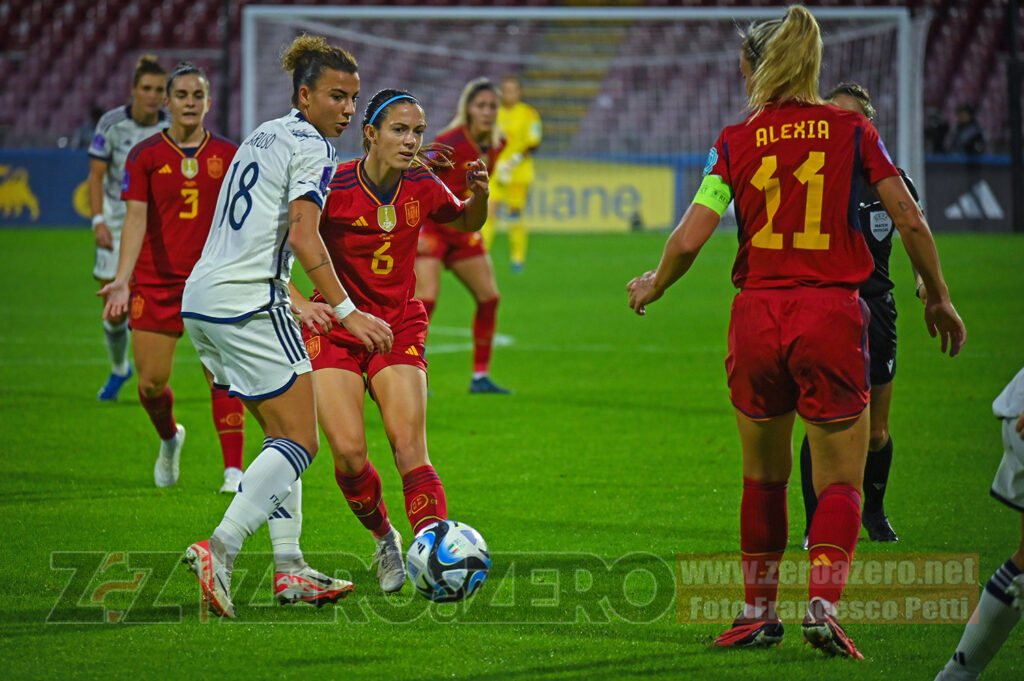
881, 224
386, 218
189, 167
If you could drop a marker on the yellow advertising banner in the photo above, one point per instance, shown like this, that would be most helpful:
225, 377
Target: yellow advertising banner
597, 196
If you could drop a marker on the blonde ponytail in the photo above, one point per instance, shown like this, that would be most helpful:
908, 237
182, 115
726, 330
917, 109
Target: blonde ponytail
785, 59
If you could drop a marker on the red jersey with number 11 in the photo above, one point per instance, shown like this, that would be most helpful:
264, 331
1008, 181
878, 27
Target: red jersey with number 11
795, 172
180, 187
372, 238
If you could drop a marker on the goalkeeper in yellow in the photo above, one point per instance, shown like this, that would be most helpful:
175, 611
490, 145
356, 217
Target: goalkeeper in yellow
513, 171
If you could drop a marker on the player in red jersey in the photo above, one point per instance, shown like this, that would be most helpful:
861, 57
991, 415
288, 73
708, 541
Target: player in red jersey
371, 227
797, 337
171, 183
472, 135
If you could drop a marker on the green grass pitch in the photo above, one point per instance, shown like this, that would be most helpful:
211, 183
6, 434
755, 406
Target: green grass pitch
617, 453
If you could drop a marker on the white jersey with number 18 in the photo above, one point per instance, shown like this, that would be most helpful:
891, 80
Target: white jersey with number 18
246, 263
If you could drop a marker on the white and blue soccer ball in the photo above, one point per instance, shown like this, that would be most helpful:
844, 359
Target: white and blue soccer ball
448, 562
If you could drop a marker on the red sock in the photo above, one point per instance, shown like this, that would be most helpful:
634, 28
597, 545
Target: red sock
161, 412
764, 529
831, 540
229, 420
364, 496
483, 334
424, 497
429, 304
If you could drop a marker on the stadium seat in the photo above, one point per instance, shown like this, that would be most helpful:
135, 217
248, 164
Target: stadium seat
77, 40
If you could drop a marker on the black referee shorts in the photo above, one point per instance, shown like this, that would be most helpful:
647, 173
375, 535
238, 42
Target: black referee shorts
882, 338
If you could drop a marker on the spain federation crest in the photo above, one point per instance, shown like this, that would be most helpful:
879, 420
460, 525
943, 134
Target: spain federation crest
215, 167
412, 213
189, 167
386, 218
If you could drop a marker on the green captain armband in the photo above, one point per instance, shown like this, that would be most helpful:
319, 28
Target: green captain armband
714, 193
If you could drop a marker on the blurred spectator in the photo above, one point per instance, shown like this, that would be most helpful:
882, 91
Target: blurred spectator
936, 128
968, 137
82, 136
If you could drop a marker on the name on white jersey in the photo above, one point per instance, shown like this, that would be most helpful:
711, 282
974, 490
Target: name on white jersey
261, 140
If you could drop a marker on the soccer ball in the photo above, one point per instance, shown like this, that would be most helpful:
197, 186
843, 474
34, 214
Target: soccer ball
448, 561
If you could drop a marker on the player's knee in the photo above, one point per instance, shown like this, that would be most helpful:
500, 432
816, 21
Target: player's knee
878, 438
152, 386
349, 453
410, 453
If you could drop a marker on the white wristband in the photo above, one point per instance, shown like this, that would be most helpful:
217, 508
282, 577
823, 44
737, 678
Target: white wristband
344, 309
97, 219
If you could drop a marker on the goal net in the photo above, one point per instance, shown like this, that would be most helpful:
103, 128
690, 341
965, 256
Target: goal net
631, 99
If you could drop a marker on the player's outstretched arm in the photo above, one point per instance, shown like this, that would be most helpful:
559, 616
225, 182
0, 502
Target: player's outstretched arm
305, 241
474, 213
116, 294
681, 249
940, 316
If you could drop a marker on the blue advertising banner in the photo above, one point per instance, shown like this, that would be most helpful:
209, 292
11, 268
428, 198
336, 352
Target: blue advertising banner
44, 188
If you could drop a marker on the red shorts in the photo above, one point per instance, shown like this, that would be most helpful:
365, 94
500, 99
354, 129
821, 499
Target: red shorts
799, 348
156, 308
340, 350
447, 244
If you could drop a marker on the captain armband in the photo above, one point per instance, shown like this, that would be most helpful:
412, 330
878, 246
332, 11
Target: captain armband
714, 193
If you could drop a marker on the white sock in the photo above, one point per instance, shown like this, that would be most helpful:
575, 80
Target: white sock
989, 626
479, 374
285, 525
828, 606
754, 612
264, 485
117, 346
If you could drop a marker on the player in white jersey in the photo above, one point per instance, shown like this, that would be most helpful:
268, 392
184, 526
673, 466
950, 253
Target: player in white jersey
117, 132
237, 310
1001, 604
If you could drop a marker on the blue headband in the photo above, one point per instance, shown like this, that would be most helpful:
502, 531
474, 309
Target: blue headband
381, 107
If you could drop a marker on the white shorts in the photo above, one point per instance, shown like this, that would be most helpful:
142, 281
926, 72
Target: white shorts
1008, 486
256, 358
106, 262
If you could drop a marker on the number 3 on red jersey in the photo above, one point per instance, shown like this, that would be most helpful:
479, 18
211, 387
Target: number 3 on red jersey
764, 180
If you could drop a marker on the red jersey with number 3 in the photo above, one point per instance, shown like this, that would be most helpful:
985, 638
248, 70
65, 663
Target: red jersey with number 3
795, 172
180, 187
372, 238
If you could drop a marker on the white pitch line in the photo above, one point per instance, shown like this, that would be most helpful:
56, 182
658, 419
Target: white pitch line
500, 340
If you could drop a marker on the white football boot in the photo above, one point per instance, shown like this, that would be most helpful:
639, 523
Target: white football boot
389, 561
165, 472
214, 577
232, 477
309, 586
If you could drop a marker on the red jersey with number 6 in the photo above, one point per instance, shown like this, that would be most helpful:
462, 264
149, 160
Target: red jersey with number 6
180, 187
372, 237
795, 172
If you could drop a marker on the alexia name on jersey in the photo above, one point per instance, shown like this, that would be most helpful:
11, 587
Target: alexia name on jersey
800, 130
